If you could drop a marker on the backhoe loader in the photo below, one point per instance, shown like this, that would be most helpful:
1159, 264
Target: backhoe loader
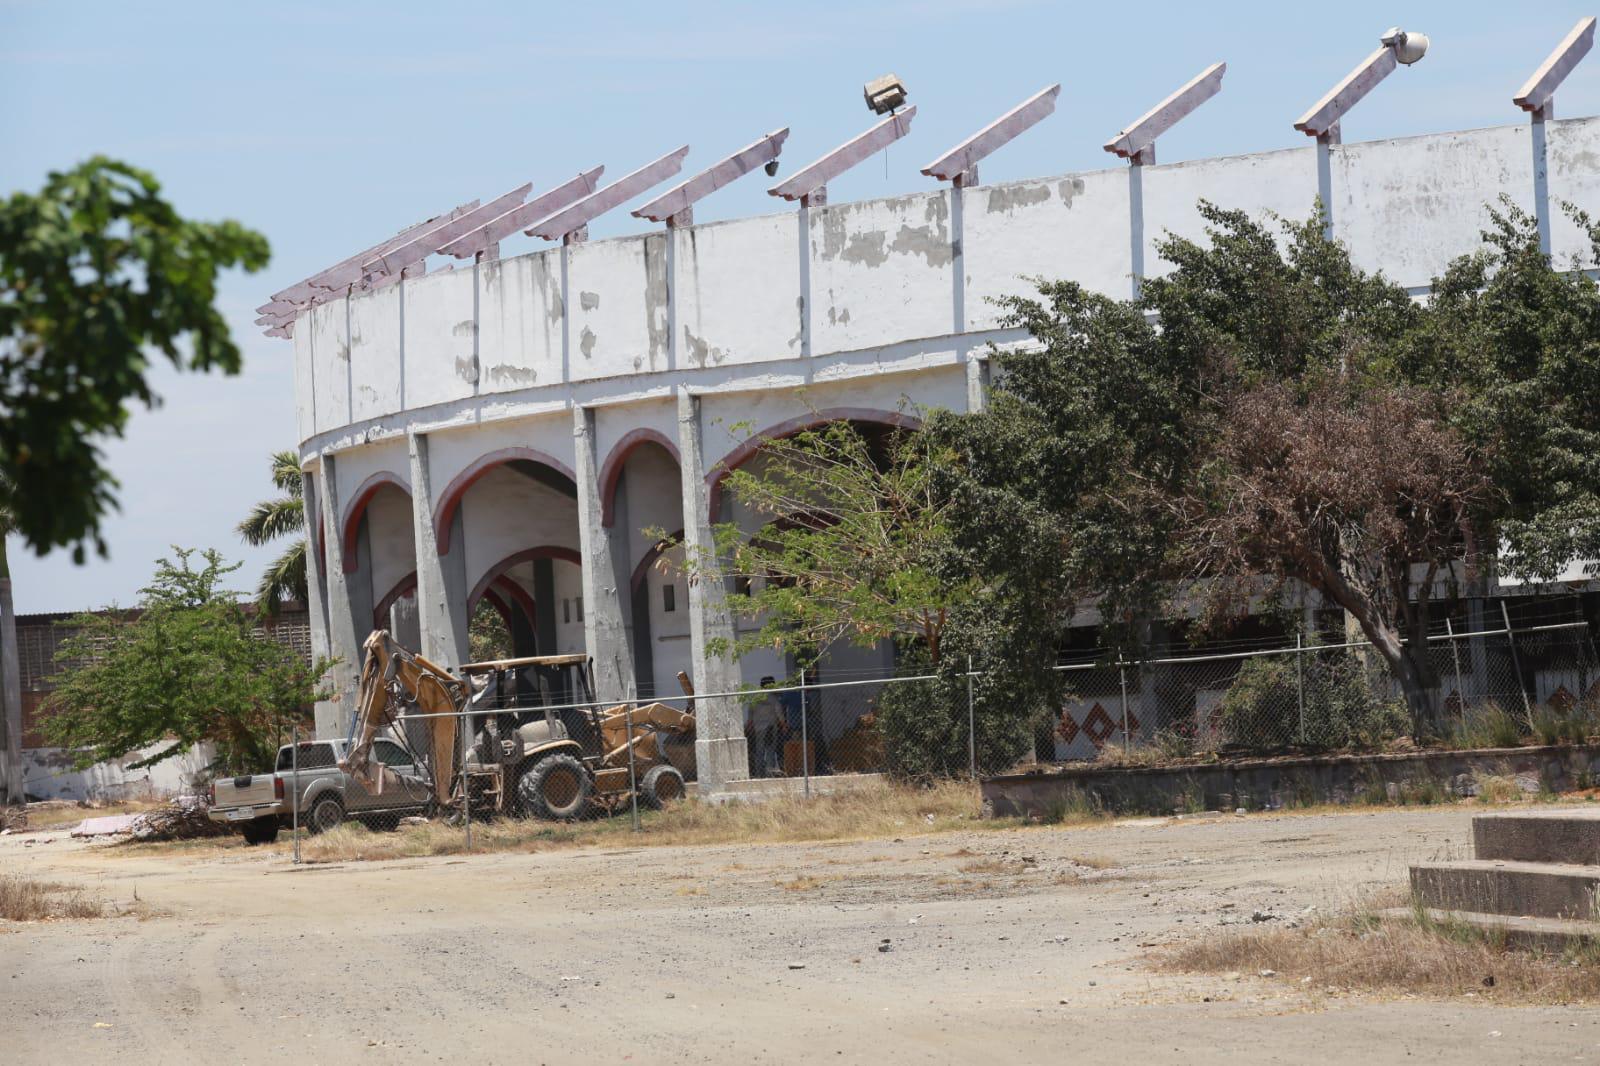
535, 744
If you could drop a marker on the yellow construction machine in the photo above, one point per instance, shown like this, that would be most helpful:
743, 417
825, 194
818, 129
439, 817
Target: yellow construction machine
513, 737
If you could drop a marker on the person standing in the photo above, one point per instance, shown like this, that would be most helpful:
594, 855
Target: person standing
763, 723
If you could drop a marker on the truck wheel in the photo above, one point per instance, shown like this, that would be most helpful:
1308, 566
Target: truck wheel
557, 788
260, 830
661, 785
327, 813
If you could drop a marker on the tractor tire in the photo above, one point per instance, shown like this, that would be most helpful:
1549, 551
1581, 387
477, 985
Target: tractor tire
557, 788
326, 814
260, 830
661, 786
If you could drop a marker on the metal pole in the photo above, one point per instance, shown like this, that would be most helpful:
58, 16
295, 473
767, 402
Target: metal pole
805, 734
1516, 664
633, 780
294, 798
972, 726
1455, 656
1122, 675
1300, 682
466, 782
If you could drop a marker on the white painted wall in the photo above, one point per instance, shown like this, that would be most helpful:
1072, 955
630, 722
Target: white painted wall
48, 774
738, 291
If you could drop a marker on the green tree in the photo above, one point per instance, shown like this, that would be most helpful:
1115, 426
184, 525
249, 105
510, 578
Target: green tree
488, 639
282, 516
851, 545
97, 272
1267, 413
187, 667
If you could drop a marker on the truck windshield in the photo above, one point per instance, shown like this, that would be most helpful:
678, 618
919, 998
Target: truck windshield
312, 757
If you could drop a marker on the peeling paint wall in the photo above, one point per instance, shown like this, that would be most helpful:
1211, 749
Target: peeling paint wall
738, 298
619, 323
1574, 148
520, 310
1407, 207
441, 338
374, 347
1074, 227
880, 272
1281, 182
330, 358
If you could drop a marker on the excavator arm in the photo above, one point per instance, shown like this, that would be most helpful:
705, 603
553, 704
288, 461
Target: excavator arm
396, 684
649, 721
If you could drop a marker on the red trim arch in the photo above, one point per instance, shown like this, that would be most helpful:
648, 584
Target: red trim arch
450, 499
351, 522
547, 551
649, 559
508, 588
380, 613
812, 419
611, 469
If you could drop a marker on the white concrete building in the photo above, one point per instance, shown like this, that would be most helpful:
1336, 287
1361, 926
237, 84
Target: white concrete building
509, 429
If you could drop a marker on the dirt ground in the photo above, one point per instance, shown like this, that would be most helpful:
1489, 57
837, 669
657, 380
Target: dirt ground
1013, 946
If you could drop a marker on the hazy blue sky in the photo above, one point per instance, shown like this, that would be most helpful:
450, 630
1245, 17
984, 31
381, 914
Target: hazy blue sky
329, 127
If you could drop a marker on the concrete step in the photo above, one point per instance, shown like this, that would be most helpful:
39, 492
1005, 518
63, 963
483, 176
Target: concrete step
1492, 886
1553, 935
1538, 836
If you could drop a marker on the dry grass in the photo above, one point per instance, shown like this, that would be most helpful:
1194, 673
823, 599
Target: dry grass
801, 883
1497, 789
1357, 952
23, 899
885, 810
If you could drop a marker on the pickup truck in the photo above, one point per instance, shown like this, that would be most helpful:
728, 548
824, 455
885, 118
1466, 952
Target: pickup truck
261, 804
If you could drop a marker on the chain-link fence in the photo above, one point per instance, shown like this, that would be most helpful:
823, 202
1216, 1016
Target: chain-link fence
520, 762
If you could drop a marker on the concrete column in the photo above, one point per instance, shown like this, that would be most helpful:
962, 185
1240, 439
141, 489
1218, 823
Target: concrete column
719, 746
977, 382
316, 592
344, 636
441, 580
606, 598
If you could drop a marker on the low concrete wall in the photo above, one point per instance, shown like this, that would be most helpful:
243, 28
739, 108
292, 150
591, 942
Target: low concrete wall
1259, 784
48, 773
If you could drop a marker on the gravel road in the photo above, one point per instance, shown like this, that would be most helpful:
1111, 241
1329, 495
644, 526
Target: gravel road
1013, 946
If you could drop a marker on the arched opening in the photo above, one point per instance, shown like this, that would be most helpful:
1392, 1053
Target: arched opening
380, 560
641, 494
839, 737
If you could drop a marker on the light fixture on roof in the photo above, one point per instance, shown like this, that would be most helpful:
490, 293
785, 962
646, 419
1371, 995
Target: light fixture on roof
1408, 47
884, 95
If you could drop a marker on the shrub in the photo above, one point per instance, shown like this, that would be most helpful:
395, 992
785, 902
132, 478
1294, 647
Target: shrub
925, 733
1262, 708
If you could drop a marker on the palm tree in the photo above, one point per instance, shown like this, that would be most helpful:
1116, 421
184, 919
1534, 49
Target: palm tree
285, 577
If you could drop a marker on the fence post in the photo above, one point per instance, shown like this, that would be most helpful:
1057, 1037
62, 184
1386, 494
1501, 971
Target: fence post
1455, 657
466, 782
1122, 676
1516, 664
633, 779
972, 726
805, 734
294, 789
1300, 683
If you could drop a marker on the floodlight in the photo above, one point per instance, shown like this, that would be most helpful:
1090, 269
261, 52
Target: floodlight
1408, 47
884, 94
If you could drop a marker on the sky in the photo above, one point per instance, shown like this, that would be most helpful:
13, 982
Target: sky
331, 126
